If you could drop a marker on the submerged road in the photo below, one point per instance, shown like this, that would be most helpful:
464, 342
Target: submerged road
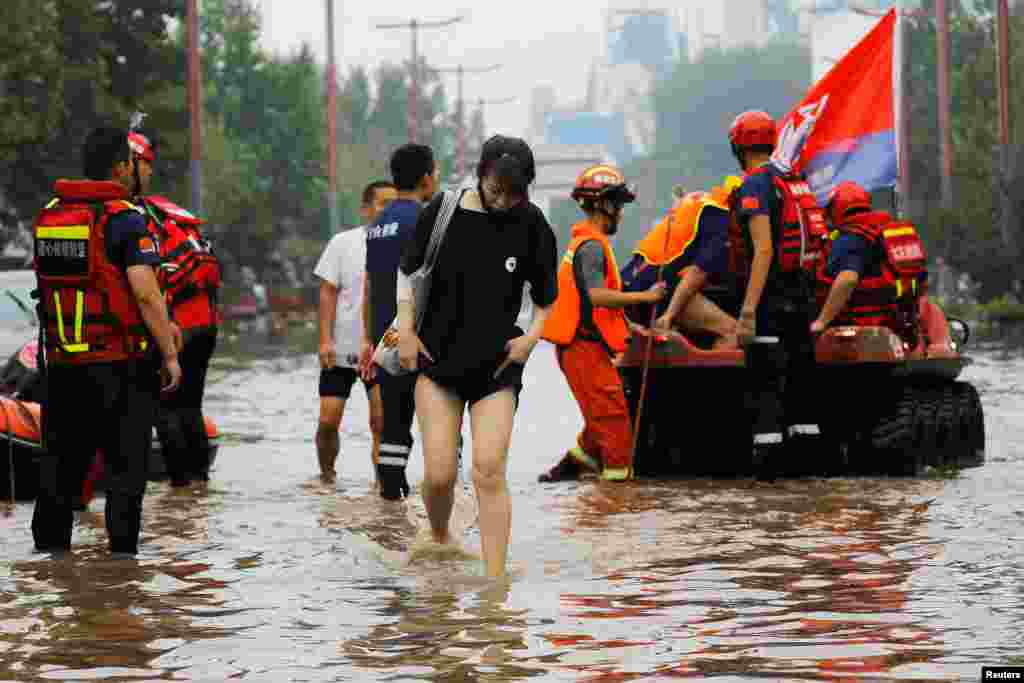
267, 575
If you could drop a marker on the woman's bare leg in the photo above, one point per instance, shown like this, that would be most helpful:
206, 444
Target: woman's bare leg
439, 415
491, 420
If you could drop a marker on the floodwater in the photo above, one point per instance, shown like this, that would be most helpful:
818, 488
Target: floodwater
267, 575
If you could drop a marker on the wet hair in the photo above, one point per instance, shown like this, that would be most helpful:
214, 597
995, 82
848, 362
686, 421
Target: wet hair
509, 175
104, 148
370, 191
409, 164
499, 146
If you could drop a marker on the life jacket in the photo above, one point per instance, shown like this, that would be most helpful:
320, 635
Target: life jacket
190, 274
890, 298
798, 231
87, 310
678, 229
564, 323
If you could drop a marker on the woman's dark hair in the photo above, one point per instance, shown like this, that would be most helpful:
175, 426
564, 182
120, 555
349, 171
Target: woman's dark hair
104, 148
510, 176
500, 146
409, 164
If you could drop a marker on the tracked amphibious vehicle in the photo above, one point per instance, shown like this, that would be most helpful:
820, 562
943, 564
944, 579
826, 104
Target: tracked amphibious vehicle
869, 405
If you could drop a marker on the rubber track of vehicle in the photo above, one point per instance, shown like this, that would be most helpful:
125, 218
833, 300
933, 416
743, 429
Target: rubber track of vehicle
972, 426
946, 426
895, 437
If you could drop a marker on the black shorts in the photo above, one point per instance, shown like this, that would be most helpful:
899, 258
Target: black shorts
337, 382
475, 386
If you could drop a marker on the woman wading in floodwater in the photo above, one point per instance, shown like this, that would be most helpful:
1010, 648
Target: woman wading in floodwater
472, 352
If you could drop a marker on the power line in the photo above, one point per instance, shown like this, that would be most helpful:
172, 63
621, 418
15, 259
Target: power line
460, 71
415, 25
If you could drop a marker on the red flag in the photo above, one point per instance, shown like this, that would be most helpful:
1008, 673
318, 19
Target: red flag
845, 127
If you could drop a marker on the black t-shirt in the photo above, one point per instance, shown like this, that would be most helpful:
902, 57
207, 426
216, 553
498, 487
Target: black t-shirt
128, 242
477, 285
385, 240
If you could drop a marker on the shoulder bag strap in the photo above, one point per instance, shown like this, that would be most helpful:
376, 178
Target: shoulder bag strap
444, 217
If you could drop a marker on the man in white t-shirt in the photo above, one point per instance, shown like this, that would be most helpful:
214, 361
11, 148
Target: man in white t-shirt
343, 355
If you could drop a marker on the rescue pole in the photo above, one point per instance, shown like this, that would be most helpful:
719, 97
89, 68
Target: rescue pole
10, 454
677, 193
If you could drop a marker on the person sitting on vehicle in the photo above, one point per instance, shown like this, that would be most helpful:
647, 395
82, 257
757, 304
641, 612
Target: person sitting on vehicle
875, 269
689, 249
588, 326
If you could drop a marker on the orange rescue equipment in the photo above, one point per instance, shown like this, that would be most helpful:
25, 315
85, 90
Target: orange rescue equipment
88, 311
190, 274
563, 324
681, 223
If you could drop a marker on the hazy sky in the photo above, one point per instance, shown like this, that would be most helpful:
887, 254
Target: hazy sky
538, 42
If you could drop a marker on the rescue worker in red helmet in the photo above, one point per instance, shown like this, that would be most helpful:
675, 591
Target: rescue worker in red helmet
589, 327
875, 270
190, 277
100, 310
775, 250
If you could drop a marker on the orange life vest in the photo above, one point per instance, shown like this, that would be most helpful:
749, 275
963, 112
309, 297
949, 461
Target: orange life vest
87, 309
676, 231
890, 298
798, 231
562, 326
190, 274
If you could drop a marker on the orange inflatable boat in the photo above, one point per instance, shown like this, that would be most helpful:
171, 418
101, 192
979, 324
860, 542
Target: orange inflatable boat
20, 438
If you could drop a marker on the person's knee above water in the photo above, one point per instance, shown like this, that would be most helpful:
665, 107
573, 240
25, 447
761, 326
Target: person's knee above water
415, 175
875, 268
495, 241
190, 276
345, 346
689, 248
94, 266
588, 323
775, 241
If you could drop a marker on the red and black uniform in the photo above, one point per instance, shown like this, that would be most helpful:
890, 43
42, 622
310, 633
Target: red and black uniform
102, 374
889, 259
190, 277
787, 305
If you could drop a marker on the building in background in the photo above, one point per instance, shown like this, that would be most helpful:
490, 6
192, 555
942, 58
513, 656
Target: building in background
834, 26
615, 120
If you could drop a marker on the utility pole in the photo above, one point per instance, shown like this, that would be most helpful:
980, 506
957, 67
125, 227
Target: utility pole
460, 71
415, 25
1004, 153
945, 127
195, 106
332, 124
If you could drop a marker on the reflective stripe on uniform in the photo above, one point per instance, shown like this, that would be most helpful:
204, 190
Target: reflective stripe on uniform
804, 430
392, 460
394, 448
62, 232
617, 474
769, 438
78, 346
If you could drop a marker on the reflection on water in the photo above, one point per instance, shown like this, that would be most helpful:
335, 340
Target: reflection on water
266, 574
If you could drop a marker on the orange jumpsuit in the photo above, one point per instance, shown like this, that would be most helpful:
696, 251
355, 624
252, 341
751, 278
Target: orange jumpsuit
586, 361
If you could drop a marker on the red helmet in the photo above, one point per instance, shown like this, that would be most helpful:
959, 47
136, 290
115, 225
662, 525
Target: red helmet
847, 196
603, 181
752, 128
141, 146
